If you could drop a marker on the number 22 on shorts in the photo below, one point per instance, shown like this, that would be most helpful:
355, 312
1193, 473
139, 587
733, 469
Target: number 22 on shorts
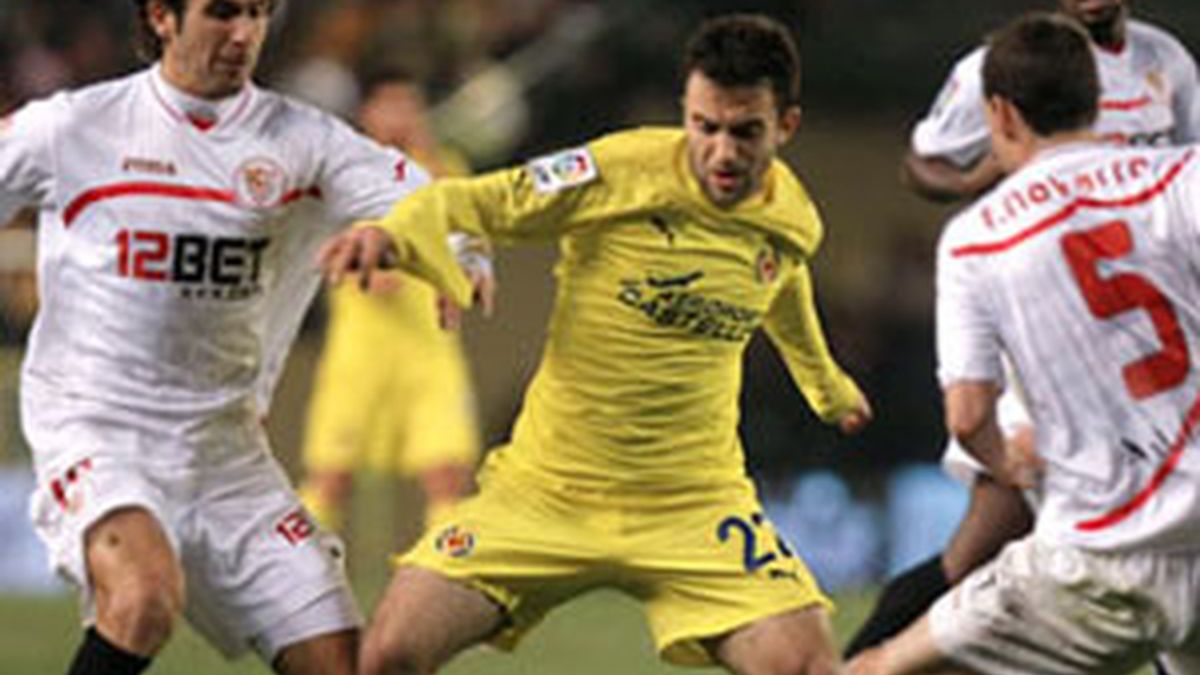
746, 531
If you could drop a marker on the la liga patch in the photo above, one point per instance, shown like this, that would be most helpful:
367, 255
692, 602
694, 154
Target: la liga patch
568, 168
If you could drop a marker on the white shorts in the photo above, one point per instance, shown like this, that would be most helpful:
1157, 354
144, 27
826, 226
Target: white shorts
259, 573
1054, 610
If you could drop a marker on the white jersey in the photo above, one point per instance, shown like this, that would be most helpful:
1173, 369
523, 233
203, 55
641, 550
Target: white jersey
1148, 97
175, 240
1082, 268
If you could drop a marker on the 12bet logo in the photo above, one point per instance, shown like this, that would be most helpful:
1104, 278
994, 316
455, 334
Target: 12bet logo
231, 265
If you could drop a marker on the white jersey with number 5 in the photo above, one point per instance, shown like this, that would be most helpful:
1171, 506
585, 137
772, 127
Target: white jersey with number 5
1082, 267
1149, 96
175, 248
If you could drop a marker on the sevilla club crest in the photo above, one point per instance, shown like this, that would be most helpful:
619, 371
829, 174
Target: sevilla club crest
260, 182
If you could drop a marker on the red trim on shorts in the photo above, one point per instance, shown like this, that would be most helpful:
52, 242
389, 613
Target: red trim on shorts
115, 190
1069, 210
1156, 481
1125, 105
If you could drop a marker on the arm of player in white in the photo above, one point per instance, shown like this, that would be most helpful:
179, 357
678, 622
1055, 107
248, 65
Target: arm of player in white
26, 160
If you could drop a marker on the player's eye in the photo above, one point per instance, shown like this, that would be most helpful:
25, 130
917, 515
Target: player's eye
748, 131
223, 11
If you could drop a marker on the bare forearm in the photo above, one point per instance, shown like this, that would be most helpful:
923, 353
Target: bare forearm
939, 180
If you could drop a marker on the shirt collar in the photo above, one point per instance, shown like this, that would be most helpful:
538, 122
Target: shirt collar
200, 113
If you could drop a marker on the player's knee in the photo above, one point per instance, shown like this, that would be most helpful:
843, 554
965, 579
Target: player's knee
144, 608
800, 662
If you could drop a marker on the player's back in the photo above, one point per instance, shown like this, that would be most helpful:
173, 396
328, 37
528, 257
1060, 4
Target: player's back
1086, 259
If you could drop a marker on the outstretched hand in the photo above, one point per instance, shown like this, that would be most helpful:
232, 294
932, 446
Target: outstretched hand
855, 420
358, 252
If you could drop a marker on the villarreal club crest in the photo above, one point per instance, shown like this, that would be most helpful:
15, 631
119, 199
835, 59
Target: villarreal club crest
455, 541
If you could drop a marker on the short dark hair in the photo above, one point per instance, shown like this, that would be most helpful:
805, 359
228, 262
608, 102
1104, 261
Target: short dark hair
746, 50
145, 41
1043, 64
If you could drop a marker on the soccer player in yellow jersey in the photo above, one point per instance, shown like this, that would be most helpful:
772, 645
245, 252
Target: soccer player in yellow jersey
404, 406
625, 469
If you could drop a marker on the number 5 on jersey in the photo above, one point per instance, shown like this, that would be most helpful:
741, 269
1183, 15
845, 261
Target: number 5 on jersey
1110, 296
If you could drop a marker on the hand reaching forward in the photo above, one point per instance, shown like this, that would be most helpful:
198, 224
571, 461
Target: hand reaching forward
359, 252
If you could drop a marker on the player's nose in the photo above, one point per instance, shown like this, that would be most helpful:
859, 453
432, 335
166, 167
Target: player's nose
724, 148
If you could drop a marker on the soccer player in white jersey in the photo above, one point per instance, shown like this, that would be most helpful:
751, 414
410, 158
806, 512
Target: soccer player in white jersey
179, 211
1148, 85
1148, 88
1080, 266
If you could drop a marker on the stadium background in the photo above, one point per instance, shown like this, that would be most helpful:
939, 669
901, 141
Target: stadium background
510, 79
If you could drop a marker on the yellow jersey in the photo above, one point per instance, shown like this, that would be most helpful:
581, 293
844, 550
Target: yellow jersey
659, 291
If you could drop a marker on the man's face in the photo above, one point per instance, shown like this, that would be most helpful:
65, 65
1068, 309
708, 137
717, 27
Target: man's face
732, 136
1095, 14
212, 50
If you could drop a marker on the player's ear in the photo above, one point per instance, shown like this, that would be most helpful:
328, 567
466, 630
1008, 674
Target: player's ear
999, 113
789, 123
162, 19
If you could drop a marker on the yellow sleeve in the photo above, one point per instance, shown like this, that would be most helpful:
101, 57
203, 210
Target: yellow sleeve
502, 205
795, 329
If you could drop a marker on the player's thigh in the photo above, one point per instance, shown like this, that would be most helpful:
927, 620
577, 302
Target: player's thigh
710, 566
261, 574
427, 618
799, 641
128, 551
996, 514
911, 651
1043, 608
525, 546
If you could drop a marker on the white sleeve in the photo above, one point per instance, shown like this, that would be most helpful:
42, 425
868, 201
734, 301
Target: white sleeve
1185, 100
960, 464
362, 179
955, 128
26, 159
1012, 412
1012, 415
968, 344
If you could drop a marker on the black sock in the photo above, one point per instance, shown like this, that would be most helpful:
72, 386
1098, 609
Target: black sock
903, 601
98, 656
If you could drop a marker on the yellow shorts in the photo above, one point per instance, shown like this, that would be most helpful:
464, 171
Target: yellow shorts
390, 414
702, 563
